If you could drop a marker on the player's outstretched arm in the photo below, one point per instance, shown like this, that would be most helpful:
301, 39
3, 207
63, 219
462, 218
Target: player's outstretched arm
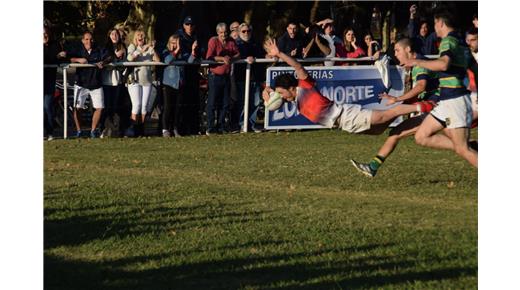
273, 51
440, 64
415, 91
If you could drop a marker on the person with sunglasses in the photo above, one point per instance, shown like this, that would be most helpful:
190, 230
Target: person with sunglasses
249, 50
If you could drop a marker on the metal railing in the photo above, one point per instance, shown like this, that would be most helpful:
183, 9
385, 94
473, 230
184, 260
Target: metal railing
203, 63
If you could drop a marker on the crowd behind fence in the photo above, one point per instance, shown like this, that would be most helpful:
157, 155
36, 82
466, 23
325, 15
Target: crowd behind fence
318, 44
202, 63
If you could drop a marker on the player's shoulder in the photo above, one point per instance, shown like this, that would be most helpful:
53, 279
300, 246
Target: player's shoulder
307, 82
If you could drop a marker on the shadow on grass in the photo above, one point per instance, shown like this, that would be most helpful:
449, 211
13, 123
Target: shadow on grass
138, 219
307, 270
359, 266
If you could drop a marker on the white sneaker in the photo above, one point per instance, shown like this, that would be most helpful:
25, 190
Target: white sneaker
50, 138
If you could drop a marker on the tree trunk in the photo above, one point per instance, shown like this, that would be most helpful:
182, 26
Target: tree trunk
386, 31
314, 11
141, 16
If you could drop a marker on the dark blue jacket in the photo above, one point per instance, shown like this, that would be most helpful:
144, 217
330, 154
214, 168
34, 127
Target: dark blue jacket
50, 53
191, 72
246, 49
287, 44
88, 77
426, 44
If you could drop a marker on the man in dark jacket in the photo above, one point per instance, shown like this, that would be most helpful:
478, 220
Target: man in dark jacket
291, 42
419, 31
249, 50
88, 82
189, 98
51, 56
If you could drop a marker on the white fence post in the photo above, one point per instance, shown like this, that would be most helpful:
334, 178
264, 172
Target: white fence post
65, 106
246, 98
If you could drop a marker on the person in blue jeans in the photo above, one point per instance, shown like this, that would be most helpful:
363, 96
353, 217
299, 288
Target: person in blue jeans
51, 56
221, 48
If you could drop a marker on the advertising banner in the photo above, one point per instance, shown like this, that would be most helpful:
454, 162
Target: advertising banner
360, 84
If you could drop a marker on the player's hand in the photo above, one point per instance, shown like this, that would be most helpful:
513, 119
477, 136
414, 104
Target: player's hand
408, 63
265, 94
271, 48
99, 64
390, 100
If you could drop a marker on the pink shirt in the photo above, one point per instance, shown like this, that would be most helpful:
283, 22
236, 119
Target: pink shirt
216, 48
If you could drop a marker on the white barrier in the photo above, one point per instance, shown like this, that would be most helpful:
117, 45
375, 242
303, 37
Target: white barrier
203, 63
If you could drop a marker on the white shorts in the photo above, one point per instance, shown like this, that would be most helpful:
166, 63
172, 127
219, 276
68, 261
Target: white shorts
355, 119
455, 113
80, 96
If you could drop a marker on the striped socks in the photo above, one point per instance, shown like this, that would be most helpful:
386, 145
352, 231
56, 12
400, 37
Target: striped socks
376, 162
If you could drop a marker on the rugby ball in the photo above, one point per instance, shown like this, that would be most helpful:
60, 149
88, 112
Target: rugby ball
275, 101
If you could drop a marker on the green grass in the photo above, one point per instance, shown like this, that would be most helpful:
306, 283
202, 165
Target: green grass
256, 211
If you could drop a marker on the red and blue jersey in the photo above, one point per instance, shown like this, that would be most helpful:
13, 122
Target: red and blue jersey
314, 106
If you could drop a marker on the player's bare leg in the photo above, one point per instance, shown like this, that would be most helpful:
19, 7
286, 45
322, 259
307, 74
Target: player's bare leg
382, 117
452, 139
405, 129
427, 135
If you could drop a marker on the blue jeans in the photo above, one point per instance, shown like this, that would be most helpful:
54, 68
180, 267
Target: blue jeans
254, 102
48, 113
218, 99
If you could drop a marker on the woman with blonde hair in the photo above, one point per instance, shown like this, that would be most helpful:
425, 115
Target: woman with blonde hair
140, 79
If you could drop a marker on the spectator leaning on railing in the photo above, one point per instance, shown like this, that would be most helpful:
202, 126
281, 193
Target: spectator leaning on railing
372, 47
221, 48
115, 51
350, 48
88, 82
249, 50
140, 81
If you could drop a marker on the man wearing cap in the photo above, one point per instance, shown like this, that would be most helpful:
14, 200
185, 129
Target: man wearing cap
190, 99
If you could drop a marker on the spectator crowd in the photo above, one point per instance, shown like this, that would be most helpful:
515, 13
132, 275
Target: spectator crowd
123, 98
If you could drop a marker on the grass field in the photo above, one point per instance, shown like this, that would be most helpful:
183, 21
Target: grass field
256, 211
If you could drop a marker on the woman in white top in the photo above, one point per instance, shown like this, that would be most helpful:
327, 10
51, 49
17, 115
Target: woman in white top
112, 84
140, 80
